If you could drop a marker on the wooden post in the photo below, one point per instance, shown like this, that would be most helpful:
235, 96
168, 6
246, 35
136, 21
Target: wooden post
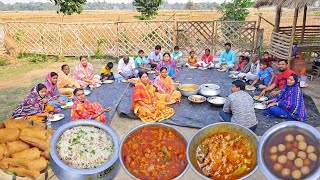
304, 22
278, 18
257, 35
175, 32
117, 45
293, 33
60, 40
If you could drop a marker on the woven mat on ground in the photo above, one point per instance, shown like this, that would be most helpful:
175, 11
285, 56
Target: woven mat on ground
189, 114
108, 95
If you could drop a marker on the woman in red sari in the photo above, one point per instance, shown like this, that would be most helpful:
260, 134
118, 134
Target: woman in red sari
145, 104
84, 109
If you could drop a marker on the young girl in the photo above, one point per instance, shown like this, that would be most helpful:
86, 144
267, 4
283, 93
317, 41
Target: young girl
192, 60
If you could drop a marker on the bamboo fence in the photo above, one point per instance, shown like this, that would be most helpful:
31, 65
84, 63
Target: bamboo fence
126, 38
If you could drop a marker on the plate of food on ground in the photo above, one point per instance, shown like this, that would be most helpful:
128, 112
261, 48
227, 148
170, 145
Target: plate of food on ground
250, 88
259, 106
57, 117
151, 72
87, 92
133, 81
124, 80
222, 70
303, 84
192, 67
94, 86
109, 81
202, 68
234, 72
67, 106
233, 76
260, 98
197, 98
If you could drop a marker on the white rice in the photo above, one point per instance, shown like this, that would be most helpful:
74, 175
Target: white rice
85, 147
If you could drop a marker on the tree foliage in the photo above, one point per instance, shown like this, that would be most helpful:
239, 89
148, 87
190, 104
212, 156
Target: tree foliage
147, 8
236, 10
190, 5
68, 7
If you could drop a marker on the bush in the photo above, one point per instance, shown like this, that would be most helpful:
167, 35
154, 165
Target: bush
35, 58
3, 62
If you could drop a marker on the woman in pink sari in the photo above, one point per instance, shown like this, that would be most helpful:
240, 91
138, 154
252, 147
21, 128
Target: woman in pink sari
84, 73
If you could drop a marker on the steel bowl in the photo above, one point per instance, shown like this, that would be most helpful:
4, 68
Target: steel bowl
106, 171
217, 101
150, 125
186, 92
209, 90
176, 85
209, 131
301, 127
203, 99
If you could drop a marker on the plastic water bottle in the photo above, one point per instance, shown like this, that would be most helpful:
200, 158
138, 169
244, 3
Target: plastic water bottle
48, 123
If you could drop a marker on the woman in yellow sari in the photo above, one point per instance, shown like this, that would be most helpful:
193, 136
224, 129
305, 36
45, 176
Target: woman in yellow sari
66, 83
165, 88
145, 104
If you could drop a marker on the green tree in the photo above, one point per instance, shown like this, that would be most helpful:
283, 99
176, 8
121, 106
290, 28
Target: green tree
190, 5
236, 10
147, 8
68, 7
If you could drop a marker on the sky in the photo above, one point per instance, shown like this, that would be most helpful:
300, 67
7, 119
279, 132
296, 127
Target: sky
120, 1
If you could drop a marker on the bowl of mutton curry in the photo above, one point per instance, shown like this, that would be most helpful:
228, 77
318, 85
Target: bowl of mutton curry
223, 151
154, 151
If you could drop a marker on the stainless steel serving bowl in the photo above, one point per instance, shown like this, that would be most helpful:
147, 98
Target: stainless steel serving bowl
285, 127
209, 131
186, 92
217, 101
210, 90
106, 171
150, 125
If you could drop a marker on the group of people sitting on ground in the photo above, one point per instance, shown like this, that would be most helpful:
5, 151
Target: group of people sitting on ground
151, 97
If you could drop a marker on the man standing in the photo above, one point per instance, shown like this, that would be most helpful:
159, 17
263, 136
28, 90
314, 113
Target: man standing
239, 107
155, 57
280, 80
227, 58
126, 69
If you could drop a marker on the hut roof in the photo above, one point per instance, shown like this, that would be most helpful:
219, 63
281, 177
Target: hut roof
284, 3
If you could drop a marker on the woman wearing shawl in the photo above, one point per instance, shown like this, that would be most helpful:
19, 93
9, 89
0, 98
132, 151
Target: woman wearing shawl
145, 104
169, 64
165, 88
34, 106
84, 109
84, 73
289, 103
206, 60
53, 94
66, 83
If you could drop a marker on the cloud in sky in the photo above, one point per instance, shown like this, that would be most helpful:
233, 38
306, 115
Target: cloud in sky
119, 1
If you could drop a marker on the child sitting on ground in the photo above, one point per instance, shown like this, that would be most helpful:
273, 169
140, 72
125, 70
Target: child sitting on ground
240, 65
268, 58
266, 75
177, 55
192, 60
106, 72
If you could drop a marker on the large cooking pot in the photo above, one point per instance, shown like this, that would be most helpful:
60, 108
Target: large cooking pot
188, 93
210, 90
288, 127
211, 130
149, 125
104, 172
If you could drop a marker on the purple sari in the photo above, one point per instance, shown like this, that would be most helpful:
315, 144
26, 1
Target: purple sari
30, 105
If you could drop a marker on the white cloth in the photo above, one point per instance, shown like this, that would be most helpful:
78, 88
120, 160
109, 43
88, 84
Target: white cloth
210, 65
122, 67
228, 66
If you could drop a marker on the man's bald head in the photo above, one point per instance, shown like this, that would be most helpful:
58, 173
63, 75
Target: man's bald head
126, 59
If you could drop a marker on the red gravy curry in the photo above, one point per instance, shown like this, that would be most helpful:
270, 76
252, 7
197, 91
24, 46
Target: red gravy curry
155, 153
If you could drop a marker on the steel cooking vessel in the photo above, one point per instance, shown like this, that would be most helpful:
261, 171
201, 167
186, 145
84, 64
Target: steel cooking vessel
210, 90
283, 127
150, 125
188, 93
209, 131
64, 172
